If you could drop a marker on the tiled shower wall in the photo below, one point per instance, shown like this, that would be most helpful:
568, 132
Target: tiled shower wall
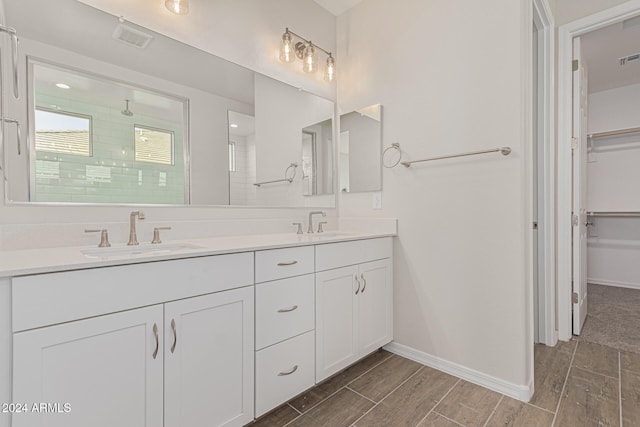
110, 174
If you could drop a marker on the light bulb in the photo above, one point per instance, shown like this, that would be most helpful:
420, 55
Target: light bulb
310, 64
330, 72
286, 50
179, 7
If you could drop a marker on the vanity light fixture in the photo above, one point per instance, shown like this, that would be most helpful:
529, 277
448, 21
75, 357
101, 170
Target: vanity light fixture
63, 86
305, 50
179, 7
233, 125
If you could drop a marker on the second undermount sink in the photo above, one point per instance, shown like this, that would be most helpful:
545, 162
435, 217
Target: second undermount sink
138, 250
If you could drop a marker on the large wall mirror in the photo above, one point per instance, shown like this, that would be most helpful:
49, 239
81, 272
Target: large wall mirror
112, 112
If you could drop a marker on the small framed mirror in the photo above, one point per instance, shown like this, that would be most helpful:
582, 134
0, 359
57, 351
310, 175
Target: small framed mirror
360, 150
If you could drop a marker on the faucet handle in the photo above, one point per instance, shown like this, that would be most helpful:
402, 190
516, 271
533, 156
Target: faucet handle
320, 230
156, 234
104, 237
299, 224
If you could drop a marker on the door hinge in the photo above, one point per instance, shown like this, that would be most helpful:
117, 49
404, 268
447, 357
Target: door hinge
575, 65
574, 297
574, 143
574, 220
535, 225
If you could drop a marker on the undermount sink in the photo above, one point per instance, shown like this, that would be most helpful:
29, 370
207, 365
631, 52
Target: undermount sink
330, 234
138, 250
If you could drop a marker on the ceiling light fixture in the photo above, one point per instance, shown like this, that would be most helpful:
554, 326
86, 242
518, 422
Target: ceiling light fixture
306, 51
179, 7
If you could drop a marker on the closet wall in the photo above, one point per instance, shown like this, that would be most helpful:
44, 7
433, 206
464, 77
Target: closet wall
614, 185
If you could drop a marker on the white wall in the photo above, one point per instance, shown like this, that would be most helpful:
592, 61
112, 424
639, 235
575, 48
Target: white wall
565, 11
614, 185
245, 32
449, 75
364, 151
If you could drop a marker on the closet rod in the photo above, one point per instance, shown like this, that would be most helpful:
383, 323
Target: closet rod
615, 214
504, 150
614, 132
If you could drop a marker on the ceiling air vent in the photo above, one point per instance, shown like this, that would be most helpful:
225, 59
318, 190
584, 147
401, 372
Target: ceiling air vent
131, 36
629, 59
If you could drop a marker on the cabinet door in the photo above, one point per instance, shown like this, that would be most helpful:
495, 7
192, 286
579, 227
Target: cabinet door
105, 368
209, 360
375, 306
336, 301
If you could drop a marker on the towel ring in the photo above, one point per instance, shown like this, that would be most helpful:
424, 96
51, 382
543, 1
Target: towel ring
286, 172
392, 163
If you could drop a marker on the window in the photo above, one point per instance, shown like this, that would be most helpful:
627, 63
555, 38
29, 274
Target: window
153, 145
63, 132
232, 156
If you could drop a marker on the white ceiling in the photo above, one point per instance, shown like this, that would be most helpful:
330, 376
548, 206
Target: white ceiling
337, 7
602, 50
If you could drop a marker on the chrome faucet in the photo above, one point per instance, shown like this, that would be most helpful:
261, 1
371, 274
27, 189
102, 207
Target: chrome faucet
311, 214
133, 239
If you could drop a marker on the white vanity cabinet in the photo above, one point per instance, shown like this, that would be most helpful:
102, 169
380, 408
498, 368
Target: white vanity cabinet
108, 369
354, 302
285, 314
186, 362
208, 379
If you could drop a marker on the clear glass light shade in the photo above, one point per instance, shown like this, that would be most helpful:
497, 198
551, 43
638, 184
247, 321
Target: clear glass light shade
310, 63
179, 7
330, 72
287, 51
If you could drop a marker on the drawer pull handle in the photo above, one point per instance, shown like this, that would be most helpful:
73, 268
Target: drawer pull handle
155, 333
364, 283
175, 335
357, 280
286, 310
283, 264
289, 372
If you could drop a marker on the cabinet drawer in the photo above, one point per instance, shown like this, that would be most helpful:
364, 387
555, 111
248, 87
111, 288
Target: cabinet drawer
336, 255
283, 371
47, 299
277, 264
284, 308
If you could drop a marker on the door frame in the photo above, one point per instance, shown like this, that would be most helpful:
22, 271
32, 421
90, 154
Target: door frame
566, 33
543, 22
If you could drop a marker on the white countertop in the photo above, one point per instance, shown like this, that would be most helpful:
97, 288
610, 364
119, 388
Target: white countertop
48, 260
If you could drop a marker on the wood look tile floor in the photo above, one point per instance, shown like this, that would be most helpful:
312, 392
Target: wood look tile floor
577, 383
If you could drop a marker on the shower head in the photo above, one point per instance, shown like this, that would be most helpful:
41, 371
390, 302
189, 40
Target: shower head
126, 111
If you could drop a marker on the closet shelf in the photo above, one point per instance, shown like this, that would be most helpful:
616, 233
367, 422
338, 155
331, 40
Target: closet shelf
614, 133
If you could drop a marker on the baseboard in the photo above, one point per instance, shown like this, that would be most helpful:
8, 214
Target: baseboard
519, 392
613, 283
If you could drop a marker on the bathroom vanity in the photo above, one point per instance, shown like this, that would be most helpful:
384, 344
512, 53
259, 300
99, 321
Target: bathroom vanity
217, 332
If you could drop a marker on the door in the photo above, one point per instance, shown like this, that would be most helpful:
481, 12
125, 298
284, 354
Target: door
209, 360
100, 372
335, 320
579, 199
375, 307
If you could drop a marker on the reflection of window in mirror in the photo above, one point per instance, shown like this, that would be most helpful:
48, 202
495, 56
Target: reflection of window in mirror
153, 145
99, 140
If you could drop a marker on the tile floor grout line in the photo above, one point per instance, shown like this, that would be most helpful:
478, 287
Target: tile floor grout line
388, 394
620, 387
296, 418
448, 419
291, 406
345, 386
493, 411
541, 408
362, 395
440, 400
564, 385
